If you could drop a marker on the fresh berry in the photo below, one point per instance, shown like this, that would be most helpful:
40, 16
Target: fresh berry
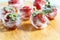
13, 1
52, 15
26, 11
37, 5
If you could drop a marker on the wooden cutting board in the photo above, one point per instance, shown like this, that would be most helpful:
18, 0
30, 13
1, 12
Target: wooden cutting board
28, 32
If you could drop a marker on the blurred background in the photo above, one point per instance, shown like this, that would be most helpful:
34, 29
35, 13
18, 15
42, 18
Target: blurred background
54, 2
3, 0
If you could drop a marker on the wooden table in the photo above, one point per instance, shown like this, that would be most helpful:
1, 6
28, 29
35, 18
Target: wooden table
28, 32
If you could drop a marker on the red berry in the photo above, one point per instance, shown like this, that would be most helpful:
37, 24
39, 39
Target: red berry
13, 1
38, 0
39, 3
41, 18
35, 19
26, 11
37, 6
52, 15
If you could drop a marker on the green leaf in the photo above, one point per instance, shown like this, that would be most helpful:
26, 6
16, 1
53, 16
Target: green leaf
7, 8
47, 9
13, 16
36, 12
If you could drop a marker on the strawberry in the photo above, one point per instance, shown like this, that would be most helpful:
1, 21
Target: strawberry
39, 21
26, 11
38, 7
41, 18
52, 15
13, 1
38, 4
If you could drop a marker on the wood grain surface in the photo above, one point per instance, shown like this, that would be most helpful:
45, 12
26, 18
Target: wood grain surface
28, 32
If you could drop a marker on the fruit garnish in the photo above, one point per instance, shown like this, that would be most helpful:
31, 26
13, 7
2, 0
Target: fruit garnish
7, 8
41, 18
48, 8
13, 16
36, 12
13, 1
26, 9
38, 4
26, 12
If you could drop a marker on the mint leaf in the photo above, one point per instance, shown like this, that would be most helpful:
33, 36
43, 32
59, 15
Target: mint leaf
8, 8
36, 12
13, 16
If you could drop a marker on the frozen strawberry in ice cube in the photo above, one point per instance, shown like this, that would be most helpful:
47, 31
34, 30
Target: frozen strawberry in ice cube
10, 19
39, 21
52, 15
40, 1
26, 12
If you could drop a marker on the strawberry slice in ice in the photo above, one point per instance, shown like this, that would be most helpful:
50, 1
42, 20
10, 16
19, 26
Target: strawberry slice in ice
13, 1
39, 4
26, 11
52, 15
41, 18
39, 21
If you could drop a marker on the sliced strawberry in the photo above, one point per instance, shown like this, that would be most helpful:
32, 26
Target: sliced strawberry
41, 18
39, 21
52, 15
13, 1
38, 7
39, 3
26, 11
28, 14
35, 19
